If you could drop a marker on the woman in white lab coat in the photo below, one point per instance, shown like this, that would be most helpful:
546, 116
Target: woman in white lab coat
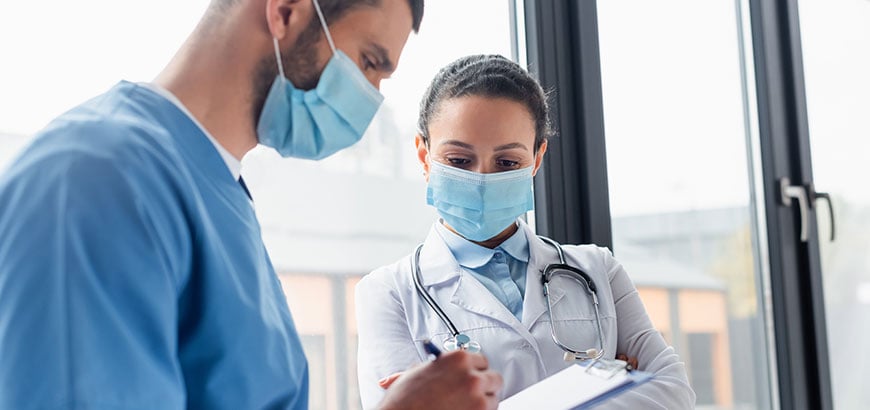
482, 135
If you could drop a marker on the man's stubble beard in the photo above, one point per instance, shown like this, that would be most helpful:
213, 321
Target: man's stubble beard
300, 66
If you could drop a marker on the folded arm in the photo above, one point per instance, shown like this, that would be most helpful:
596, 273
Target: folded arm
637, 338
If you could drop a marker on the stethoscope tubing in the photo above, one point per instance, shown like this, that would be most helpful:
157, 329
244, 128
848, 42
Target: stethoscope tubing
578, 275
418, 283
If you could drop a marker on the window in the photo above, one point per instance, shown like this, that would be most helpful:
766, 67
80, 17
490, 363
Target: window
325, 224
315, 352
680, 188
699, 357
683, 164
835, 37
10, 145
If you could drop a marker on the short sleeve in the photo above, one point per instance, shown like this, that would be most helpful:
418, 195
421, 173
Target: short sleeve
88, 288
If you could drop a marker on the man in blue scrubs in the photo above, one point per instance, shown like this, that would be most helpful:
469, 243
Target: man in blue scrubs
132, 270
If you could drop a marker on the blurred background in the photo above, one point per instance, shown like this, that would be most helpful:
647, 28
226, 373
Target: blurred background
682, 160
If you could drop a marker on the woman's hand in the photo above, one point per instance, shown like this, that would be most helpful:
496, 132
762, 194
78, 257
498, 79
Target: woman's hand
386, 382
456, 381
632, 361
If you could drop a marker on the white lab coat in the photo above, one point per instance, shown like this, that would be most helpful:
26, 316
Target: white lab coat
393, 319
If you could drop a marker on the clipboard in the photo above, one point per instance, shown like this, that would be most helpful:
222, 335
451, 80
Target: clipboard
577, 387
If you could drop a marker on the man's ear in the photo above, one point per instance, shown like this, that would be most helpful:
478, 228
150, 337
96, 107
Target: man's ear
539, 157
422, 154
286, 19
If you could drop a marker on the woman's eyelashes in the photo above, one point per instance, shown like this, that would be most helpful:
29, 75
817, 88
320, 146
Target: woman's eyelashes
367, 63
458, 162
499, 164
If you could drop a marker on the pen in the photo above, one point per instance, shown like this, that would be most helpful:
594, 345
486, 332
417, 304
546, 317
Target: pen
431, 348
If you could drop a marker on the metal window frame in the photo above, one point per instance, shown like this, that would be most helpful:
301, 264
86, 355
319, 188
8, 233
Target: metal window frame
572, 203
571, 192
795, 267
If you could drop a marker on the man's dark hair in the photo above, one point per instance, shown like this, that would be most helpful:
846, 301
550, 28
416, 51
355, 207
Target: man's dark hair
336, 9
491, 76
333, 10
300, 63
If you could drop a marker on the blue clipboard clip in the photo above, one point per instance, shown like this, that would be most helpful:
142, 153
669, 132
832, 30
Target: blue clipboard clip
608, 369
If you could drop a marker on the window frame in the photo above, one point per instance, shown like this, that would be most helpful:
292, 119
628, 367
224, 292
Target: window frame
562, 48
563, 53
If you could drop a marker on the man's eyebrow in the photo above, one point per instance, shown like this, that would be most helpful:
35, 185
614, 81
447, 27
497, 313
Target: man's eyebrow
382, 57
510, 146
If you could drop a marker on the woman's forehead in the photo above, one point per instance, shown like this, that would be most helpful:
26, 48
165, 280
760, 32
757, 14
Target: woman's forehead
482, 121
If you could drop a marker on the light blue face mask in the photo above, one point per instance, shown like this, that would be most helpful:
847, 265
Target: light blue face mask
479, 206
317, 123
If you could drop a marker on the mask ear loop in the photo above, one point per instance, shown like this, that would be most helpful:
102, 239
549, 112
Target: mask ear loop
325, 30
278, 57
323, 23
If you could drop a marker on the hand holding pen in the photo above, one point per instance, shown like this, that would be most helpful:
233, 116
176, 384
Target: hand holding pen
454, 380
431, 348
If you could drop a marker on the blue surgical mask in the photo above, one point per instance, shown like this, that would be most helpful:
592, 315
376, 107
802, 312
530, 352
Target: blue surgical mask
317, 123
479, 206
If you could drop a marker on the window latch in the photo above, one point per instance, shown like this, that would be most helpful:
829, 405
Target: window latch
827, 197
806, 196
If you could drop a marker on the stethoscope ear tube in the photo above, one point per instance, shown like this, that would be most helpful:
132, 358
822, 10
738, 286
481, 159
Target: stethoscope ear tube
418, 283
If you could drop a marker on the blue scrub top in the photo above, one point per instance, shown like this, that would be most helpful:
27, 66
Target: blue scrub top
132, 271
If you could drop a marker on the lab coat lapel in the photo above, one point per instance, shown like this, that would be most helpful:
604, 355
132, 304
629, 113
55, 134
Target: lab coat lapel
535, 303
440, 267
472, 296
437, 264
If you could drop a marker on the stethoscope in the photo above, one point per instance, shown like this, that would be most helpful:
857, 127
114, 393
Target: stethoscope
459, 340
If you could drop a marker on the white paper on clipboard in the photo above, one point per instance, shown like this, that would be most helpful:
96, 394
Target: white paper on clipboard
573, 388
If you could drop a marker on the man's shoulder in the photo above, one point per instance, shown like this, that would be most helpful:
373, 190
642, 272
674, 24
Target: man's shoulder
90, 144
109, 129
110, 125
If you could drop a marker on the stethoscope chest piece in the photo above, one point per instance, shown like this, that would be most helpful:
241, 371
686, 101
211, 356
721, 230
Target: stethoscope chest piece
461, 342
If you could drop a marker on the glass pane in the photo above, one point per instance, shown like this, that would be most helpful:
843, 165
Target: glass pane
10, 145
327, 223
681, 188
835, 40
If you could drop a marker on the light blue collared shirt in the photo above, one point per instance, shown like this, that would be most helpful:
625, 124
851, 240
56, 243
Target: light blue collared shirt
501, 270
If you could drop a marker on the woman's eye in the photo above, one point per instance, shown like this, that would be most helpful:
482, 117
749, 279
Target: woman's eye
367, 63
458, 162
506, 163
